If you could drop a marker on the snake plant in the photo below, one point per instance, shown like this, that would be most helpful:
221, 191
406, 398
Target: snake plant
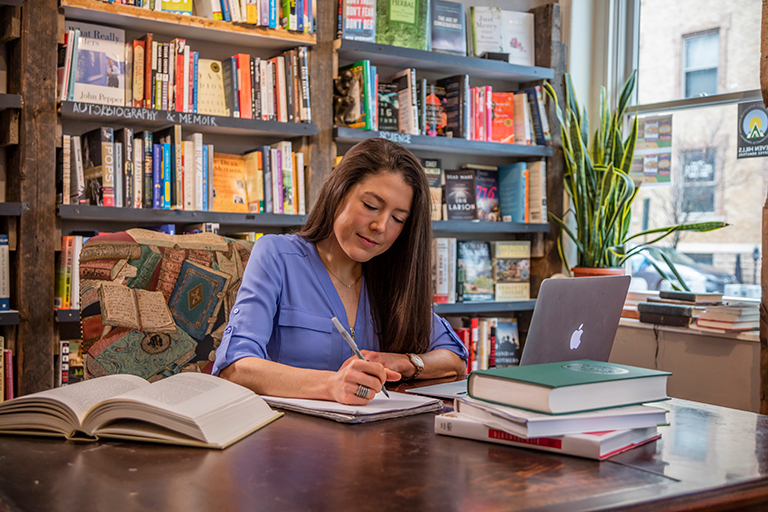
597, 179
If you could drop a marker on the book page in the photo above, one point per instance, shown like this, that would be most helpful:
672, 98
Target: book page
84, 395
118, 306
154, 313
198, 405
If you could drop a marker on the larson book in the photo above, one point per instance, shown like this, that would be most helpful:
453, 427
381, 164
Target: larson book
191, 409
460, 194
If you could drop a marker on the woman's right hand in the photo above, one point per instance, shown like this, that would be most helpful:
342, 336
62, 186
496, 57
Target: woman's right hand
344, 384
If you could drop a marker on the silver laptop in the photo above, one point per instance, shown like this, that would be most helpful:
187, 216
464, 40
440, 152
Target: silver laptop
573, 319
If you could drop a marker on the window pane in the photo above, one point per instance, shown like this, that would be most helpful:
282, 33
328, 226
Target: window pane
666, 25
709, 184
700, 83
701, 51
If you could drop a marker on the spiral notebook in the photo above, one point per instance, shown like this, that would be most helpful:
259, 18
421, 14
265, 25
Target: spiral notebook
379, 408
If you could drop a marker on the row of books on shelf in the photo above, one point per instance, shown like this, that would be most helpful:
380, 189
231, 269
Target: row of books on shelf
294, 15
491, 342
702, 311
68, 363
570, 407
440, 26
480, 271
96, 65
509, 193
6, 372
161, 170
447, 108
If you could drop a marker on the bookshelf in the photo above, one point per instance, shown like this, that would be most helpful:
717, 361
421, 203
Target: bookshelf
452, 151
187, 27
345, 135
91, 115
83, 217
33, 43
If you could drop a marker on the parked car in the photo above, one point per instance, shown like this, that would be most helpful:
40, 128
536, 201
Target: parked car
698, 277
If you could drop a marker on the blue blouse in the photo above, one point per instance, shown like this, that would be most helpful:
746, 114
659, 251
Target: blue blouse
284, 309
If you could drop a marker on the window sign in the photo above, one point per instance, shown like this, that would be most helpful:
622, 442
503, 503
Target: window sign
652, 162
753, 127
701, 56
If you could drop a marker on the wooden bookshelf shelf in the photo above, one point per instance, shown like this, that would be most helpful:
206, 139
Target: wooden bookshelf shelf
446, 64
9, 101
13, 3
458, 227
188, 27
84, 218
443, 144
10, 209
64, 316
129, 116
462, 308
9, 317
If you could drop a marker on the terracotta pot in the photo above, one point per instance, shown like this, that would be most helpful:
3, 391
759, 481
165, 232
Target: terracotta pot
597, 272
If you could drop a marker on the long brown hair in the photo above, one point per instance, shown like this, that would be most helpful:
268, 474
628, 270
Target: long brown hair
399, 281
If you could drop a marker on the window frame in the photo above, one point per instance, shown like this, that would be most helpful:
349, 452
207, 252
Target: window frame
684, 69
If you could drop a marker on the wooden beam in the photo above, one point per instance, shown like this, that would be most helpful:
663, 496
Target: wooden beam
764, 310
31, 174
764, 55
9, 127
11, 23
322, 70
551, 53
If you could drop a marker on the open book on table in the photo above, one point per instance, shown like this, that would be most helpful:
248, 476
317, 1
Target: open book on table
379, 408
192, 409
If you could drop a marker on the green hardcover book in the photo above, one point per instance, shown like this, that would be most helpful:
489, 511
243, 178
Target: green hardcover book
359, 113
403, 23
568, 387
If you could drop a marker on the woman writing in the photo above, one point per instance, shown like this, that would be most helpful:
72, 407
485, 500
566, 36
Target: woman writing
364, 257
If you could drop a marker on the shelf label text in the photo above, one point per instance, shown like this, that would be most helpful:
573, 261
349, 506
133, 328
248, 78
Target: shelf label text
402, 138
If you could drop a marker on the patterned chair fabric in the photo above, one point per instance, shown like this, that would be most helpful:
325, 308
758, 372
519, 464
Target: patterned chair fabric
153, 304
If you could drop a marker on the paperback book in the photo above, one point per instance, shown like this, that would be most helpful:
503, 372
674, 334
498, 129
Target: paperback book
403, 23
433, 169
388, 106
512, 270
474, 273
487, 195
99, 70
358, 20
448, 25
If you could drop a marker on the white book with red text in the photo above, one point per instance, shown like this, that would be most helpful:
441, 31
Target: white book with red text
593, 445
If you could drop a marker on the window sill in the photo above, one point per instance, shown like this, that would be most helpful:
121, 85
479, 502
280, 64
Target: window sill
750, 336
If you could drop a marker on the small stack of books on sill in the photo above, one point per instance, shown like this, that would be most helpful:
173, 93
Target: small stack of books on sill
584, 408
676, 308
733, 316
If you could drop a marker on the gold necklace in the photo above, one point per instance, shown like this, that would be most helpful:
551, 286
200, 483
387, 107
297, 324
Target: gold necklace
342, 282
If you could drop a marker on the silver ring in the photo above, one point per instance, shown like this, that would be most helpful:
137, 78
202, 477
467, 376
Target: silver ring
362, 391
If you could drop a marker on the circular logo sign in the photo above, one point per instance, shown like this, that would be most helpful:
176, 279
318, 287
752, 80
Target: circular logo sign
595, 368
753, 125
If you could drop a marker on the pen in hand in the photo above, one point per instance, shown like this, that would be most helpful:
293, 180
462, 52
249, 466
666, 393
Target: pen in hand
352, 345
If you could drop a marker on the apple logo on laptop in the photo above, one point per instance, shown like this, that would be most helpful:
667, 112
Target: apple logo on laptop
576, 338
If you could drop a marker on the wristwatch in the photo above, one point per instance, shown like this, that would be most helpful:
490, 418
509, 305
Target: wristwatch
418, 363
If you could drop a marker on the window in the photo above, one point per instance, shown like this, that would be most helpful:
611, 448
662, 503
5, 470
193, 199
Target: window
696, 62
698, 181
701, 55
703, 259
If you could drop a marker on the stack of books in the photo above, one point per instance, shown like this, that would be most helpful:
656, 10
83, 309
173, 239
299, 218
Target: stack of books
731, 317
676, 308
584, 408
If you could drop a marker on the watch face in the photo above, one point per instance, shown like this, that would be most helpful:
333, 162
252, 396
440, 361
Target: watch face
417, 361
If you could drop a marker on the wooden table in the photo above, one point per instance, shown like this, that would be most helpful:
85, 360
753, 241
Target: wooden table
711, 458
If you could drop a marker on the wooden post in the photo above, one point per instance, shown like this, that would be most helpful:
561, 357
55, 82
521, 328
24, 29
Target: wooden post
551, 53
31, 174
322, 63
764, 57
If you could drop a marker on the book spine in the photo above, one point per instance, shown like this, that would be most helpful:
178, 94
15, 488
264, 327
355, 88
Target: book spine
2, 369
166, 173
148, 71
138, 172
177, 170
8, 367
74, 296
157, 176
206, 181
118, 178
195, 85
66, 163
299, 171
5, 294
148, 166
306, 107
267, 165
108, 170
139, 60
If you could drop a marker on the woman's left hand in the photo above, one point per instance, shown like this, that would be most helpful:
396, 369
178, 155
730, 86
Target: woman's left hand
396, 362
